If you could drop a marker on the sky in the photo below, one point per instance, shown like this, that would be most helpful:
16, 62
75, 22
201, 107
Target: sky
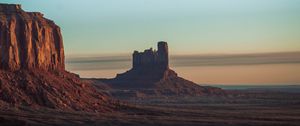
210, 41
104, 27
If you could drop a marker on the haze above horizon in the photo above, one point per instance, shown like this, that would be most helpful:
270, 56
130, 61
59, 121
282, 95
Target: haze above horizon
236, 69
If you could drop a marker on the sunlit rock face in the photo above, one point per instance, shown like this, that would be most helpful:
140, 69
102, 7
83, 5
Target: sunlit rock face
32, 69
28, 40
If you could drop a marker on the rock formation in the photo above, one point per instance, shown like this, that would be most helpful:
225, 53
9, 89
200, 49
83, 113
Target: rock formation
151, 75
152, 59
27, 40
32, 69
148, 67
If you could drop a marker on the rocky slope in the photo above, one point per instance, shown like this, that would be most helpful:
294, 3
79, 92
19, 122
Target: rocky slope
32, 68
151, 76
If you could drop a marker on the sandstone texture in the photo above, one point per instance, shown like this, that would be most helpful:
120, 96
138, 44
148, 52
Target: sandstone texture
28, 40
32, 69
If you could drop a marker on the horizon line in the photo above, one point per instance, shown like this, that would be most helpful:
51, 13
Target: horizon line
105, 55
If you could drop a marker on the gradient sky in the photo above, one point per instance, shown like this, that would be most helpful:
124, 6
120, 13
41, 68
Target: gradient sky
190, 26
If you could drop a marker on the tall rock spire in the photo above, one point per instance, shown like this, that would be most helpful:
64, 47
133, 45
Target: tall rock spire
163, 54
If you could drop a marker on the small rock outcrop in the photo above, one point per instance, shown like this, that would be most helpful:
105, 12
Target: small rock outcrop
32, 68
150, 75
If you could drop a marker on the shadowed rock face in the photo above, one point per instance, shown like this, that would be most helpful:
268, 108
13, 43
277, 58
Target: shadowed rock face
151, 58
29, 41
148, 67
151, 75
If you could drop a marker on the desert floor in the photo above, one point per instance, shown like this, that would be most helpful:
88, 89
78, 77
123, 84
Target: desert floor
253, 109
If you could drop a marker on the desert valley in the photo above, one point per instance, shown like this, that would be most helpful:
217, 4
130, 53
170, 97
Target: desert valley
37, 90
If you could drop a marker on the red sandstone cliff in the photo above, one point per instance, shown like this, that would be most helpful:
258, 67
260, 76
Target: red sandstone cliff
28, 40
32, 69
